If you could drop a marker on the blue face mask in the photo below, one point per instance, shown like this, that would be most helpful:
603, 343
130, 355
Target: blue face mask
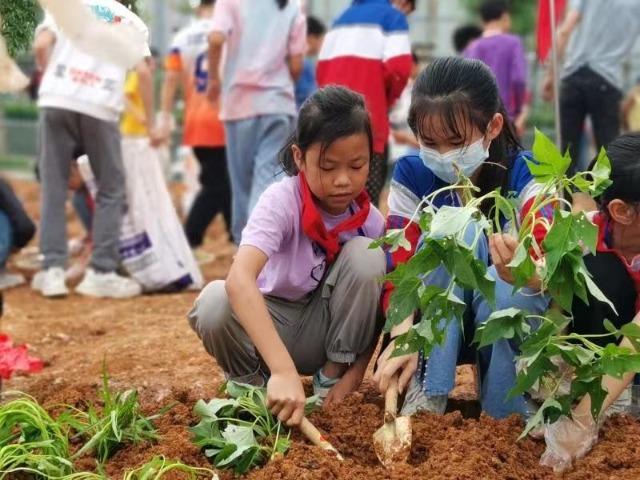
446, 166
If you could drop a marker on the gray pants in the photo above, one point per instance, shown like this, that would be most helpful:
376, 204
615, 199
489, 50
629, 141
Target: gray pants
64, 134
337, 322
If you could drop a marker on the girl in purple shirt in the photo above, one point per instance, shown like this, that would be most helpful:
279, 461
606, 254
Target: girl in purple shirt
303, 292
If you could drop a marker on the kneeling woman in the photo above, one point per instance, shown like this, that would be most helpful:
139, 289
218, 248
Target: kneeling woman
303, 292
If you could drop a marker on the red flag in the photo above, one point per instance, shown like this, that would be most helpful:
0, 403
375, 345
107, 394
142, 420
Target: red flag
544, 25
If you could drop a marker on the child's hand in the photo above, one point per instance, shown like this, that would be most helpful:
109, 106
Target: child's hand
387, 367
285, 398
349, 383
503, 248
568, 440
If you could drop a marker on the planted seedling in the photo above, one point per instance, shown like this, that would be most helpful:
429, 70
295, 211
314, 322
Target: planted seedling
31, 441
240, 432
117, 422
158, 467
554, 261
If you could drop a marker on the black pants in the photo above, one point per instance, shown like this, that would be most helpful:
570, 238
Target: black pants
587, 93
214, 196
377, 176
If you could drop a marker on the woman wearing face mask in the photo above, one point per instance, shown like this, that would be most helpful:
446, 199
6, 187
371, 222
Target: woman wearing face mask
461, 124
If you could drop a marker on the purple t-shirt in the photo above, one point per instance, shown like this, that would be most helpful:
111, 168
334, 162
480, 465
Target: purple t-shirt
296, 264
504, 54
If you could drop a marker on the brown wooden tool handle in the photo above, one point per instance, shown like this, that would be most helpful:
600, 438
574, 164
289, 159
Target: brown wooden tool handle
315, 437
391, 400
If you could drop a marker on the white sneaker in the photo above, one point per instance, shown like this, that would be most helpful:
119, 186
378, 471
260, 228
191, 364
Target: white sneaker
10, 280
50, 283
108, 285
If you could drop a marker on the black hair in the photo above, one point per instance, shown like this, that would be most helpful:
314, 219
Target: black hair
464, 35
456, 90
315, 26
493, 10
624, 153
282, 3
329, 114
414, 57
207, 3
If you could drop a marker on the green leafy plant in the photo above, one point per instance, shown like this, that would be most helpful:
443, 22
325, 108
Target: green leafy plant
117, 422
18, 19
557, 261
158, 467
31, 441
240, 432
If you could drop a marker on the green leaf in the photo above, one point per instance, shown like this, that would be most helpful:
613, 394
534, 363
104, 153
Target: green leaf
538, 418
407, 281
592, 387
540, 367
549, 163
410, 342
600, 174
567, 233
242, 438
394, 238
616, 361
449, 221
594, 289
211, 409
507, 324
522, 266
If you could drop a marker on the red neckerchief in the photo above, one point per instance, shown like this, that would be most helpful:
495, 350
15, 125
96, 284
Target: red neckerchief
604, 231
313, 224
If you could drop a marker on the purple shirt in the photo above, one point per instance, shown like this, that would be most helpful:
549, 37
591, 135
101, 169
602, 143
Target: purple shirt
504, 54
296, 264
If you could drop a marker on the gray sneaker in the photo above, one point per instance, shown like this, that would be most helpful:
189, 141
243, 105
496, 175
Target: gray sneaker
321, 386
417, 401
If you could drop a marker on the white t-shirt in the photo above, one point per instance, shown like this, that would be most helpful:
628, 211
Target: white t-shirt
192, 44
77, 81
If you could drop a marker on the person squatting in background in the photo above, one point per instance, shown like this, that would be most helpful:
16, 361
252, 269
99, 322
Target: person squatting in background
265, 44
303, 292
368, 50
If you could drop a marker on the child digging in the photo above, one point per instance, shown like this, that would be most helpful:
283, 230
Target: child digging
302, 294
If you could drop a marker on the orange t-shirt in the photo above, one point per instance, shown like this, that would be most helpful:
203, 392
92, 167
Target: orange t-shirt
202, 126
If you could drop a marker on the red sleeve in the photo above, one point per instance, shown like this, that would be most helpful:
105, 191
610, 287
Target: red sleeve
396, 75
401, 255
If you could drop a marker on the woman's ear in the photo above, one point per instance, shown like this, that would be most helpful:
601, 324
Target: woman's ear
298, 157
495, 127
621, 212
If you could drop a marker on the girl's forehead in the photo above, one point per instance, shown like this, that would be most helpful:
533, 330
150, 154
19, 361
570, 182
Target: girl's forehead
443, 126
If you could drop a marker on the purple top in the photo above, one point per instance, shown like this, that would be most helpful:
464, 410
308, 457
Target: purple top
296, 265
504, 54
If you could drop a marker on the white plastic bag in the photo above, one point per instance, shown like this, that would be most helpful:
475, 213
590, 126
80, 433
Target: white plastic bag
153, 246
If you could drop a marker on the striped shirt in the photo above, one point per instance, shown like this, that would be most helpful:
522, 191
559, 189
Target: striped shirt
412, 181
368, 50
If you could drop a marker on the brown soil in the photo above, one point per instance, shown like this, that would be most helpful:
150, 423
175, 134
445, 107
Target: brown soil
148, 344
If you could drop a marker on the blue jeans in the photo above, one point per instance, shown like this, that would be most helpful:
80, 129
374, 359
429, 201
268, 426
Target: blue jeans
498, 360
6, 239
252, 154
